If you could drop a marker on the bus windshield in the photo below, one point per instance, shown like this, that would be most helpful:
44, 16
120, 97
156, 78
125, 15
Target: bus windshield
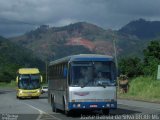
92, 74
29, 81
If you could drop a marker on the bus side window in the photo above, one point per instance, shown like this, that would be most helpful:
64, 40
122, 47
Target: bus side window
65, 72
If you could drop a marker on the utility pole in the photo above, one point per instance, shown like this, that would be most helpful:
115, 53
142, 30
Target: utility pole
115, 51
46, 71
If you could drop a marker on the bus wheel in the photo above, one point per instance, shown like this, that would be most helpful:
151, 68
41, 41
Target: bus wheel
68, 113
17, 97
65, 111
105, 111
37, 97
54, 109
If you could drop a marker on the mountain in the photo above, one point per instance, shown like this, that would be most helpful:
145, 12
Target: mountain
142, 29
50, 43
13, 56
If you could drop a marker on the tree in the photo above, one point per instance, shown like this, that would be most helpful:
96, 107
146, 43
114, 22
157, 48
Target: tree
131, 66
151, 58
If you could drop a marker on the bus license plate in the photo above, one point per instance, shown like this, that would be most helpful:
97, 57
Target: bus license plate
93, 106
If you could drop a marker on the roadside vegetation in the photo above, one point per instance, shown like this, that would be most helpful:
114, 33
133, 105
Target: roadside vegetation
13, 57
10, 85
142, 73
143, 88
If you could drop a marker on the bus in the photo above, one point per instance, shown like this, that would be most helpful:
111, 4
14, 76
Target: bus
28, 83
82, 82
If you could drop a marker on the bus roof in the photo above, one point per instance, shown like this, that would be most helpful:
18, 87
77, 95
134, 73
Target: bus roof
83, 57
28, 71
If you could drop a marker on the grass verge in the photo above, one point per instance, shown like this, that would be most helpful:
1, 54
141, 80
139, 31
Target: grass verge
143, 88
12, 84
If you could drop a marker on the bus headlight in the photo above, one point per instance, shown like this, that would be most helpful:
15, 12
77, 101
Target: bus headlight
38, 91
20, 91
112, 105
108, 105
79, 105
74, 105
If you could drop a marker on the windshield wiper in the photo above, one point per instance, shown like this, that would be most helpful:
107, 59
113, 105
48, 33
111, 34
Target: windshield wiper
84, 85
102, 85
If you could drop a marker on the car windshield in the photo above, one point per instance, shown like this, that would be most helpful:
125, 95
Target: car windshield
92, 74
29, 81
45, 87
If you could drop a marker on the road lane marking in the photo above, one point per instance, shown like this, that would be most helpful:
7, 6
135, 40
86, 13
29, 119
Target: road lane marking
41, 112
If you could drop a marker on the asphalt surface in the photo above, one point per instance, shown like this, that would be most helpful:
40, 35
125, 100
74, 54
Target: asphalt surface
39, 109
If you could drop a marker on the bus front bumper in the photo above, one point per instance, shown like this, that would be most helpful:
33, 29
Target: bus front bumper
92, 105
29, 93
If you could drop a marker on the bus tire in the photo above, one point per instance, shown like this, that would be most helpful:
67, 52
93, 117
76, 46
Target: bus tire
37, 97
54, 109
65, 111
105, 111
17, 97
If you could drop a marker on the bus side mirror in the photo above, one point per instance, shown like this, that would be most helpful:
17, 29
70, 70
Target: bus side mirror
17, 79
65, 72
41, 79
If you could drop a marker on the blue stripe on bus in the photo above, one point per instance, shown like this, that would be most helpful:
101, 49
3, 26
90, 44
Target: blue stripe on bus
92, 105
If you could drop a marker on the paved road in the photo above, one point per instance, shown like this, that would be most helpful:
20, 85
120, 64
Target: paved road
39, 109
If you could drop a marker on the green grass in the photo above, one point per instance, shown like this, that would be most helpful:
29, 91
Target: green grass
12, 84
143, 88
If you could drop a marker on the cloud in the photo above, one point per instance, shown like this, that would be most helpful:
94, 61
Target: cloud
24, 15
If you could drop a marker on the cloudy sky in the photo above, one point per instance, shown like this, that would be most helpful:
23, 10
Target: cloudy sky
20, 16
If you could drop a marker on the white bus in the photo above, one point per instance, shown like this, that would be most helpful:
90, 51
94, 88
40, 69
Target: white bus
82, 82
